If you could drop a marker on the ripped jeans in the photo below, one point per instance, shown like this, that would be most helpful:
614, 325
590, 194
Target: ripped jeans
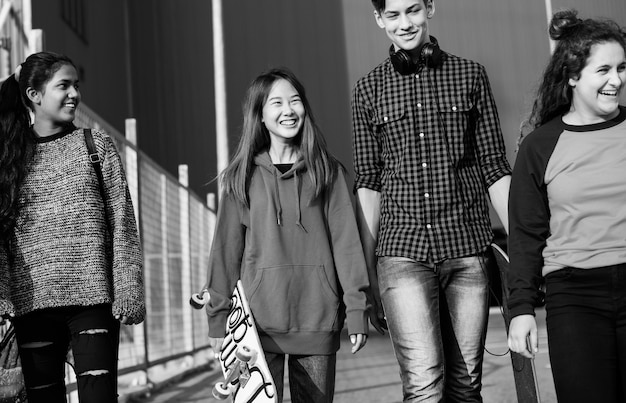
44, 337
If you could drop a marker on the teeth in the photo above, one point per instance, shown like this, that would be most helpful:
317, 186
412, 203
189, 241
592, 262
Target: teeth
288, 122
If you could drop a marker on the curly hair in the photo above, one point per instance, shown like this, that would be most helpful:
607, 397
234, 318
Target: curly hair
575, 39
17, 141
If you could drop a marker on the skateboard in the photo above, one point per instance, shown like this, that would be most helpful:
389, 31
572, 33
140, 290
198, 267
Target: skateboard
523, 368
247, 378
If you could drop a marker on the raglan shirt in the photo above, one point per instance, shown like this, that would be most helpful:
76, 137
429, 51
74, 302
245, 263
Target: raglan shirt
567, 204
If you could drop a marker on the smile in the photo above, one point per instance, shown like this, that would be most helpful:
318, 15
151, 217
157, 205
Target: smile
290, 122
609, 93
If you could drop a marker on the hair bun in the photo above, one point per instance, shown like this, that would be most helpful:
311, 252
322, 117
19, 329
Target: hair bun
563, 23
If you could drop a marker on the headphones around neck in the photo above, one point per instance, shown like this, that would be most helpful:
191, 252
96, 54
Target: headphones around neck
427, 54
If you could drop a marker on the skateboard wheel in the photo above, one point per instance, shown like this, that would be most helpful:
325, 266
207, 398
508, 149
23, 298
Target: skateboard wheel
198, 301
221, 391
246, 354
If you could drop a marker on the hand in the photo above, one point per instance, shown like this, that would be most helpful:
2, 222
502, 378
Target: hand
358, 341
523, 335
216, 345
125, 320
377, 313
4, 318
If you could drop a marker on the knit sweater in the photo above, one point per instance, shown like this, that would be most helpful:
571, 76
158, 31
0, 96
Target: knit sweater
63, 253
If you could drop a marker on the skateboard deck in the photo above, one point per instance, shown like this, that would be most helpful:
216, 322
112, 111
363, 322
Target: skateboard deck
523, 368
247, 378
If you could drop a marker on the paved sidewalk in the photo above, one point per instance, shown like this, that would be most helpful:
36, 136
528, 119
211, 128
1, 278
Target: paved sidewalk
371, 376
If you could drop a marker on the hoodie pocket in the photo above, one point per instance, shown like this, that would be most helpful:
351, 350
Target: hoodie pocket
293, 298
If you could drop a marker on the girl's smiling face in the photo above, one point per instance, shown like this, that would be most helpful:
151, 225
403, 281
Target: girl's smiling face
283, 112
595, 93
56, 103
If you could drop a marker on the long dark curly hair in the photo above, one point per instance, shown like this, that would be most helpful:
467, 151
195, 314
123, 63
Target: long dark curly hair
17, 140
575, 38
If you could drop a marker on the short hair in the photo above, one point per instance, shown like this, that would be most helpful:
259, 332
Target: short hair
379, 5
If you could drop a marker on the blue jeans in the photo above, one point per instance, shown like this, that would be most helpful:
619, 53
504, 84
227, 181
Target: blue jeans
311, 377
586, 323
437, 317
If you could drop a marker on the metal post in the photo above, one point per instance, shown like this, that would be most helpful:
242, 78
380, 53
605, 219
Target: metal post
221, 127
549, 17
185, 242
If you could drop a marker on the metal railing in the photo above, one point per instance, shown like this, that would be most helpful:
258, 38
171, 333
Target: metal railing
176, 228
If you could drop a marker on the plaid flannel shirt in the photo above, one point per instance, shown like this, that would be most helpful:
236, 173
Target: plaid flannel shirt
431, 144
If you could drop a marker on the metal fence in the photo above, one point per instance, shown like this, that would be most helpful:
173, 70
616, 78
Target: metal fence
176, 228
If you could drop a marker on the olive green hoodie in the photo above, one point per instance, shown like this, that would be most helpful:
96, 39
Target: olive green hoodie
299, 258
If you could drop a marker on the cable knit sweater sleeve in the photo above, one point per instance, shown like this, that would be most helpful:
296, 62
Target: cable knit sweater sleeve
127, 260
348, 255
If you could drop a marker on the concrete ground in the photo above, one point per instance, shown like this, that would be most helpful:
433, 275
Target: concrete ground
371, 376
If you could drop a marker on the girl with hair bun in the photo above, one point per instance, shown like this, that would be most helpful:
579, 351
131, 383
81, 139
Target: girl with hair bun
70, 258
567, 214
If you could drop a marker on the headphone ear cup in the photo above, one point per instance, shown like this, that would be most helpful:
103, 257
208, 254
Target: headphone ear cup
401, 61
430, 55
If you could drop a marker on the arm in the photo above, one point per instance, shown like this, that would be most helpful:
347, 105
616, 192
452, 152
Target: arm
128, 288
6, 307
368, 220
367, 185
499, 196
348, 256
491, 151
224, 265
529, 226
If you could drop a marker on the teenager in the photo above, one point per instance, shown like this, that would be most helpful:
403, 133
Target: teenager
70, 259
286, 228
427, 150
568, 216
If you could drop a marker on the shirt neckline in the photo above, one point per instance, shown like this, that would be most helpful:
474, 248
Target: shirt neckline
598, 126
67, 130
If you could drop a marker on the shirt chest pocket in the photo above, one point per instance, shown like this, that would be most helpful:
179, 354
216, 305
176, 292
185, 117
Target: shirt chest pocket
459, 118
392, 128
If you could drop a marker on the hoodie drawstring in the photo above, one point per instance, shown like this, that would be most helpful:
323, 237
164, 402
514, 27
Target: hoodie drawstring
279, 207
298, 211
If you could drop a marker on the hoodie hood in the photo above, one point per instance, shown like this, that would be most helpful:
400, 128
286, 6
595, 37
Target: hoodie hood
273, 176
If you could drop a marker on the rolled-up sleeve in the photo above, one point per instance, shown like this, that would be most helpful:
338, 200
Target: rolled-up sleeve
490, 143
365, 146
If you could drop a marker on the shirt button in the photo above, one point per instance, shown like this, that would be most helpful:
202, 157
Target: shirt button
429, 226
386, 118
454, 108
424, 165
422, 134
417, 76
427, 195
419, 104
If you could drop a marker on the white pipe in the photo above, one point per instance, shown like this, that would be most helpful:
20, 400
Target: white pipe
219, 67
4, 13
549, 18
